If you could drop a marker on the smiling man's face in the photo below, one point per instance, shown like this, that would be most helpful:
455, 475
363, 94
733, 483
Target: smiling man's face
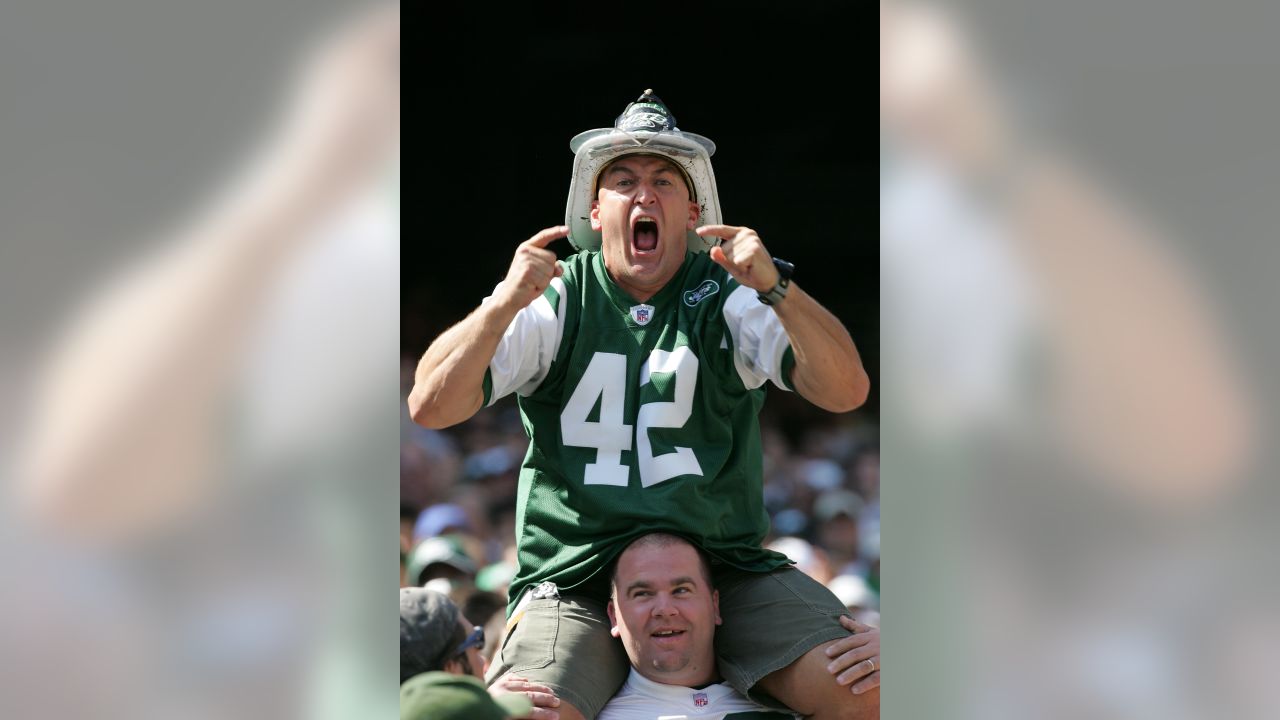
665, 612
643, 209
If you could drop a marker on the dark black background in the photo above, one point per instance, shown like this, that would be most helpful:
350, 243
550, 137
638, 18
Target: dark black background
772, 86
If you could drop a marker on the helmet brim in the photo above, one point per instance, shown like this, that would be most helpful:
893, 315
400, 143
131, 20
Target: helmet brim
594, 149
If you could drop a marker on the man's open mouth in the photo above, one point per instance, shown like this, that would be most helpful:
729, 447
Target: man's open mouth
644, 234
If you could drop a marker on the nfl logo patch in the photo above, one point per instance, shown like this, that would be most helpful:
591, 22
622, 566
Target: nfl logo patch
700, 699
642, 314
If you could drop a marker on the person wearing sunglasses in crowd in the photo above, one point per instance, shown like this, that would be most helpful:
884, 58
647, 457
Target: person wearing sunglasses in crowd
436, 640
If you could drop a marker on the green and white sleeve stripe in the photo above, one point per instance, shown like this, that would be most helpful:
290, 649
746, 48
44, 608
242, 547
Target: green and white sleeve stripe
761, 348
527, 347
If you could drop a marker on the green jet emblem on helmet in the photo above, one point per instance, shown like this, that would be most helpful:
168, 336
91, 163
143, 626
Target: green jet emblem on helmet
703, 291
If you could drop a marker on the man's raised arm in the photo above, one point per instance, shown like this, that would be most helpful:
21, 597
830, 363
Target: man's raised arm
448, 386
828, 371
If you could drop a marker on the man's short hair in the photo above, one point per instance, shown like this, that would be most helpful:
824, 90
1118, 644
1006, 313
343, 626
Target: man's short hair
663, 540
429, 631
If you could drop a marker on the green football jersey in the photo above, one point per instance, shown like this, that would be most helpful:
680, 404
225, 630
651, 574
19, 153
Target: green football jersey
642, 417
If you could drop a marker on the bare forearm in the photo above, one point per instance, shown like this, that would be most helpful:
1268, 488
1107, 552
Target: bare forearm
828, 371
1127, 322
146, 364
126, 423
448, 385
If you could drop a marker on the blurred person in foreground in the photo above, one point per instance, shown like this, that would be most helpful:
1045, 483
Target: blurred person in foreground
441, 665
177, 468
1006, 265
665, 609
1064, 405
127, 435
671, 323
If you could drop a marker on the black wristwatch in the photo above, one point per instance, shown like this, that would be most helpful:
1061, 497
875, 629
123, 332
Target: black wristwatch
779, 291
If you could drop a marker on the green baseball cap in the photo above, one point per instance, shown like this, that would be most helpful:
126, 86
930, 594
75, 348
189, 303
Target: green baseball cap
445, 696
445, 550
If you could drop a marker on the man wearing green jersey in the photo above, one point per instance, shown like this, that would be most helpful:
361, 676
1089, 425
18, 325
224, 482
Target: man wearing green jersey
639, 364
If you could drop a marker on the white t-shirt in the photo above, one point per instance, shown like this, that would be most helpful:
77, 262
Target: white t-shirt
643, 699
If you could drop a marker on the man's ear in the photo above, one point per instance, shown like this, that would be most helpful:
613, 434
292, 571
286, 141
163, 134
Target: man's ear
715, 605
595, 215
695, 212
613, 620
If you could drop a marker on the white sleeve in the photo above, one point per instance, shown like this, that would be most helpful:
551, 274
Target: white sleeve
759, 341
529, 345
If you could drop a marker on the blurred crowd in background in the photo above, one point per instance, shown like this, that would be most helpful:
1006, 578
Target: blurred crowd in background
458, 506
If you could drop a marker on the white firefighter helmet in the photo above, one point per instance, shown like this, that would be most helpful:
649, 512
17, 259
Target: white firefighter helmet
646, 126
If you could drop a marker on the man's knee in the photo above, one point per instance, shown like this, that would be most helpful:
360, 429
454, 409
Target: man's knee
808, 688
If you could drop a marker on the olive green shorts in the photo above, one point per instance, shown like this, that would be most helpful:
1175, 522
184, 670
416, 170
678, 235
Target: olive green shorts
565, 644
770, 620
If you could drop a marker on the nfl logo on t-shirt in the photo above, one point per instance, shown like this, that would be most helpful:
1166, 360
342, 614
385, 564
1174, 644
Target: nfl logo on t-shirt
642, 314
700, 699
